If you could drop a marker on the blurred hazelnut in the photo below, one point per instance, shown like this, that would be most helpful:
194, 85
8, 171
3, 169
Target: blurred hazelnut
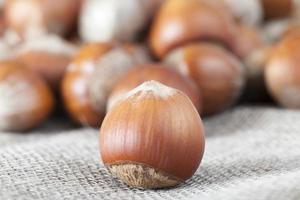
25, 100
282, 73
34, 17
179, 22
156, 72
277, 8
153, 138
218, 73
246, 12
91, 76
48, 55
115, 20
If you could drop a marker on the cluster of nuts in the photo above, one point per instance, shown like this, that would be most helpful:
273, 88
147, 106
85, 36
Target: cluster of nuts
145, 71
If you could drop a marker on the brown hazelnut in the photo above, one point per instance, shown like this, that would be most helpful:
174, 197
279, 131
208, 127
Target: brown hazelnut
115, 20
25, 100
277, 8
33, 17
156, 72
219, 75
91, 76
179, 22
282, 73
48, 55
153, 138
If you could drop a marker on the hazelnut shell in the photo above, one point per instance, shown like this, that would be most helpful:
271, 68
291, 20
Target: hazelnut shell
179, 22
282, 73
48, 56
34, 17
146, 143
219, 75
91, 76
25, 101
75, 90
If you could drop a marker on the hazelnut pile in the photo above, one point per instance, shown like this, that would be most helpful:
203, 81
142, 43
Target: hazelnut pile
145, 71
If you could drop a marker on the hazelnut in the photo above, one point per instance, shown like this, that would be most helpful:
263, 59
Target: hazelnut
282, 73
246, 12
179, 22
91, 76
153, 138
34, 17
25, 100
277, 8
218, 73
48, 55
157, 72
114, 20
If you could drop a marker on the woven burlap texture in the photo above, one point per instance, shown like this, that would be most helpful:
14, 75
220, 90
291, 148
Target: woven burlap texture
251, 153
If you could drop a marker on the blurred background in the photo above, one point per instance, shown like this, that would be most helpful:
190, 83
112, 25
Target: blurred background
75, 59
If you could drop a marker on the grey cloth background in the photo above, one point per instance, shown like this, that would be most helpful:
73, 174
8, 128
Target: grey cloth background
251, 153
